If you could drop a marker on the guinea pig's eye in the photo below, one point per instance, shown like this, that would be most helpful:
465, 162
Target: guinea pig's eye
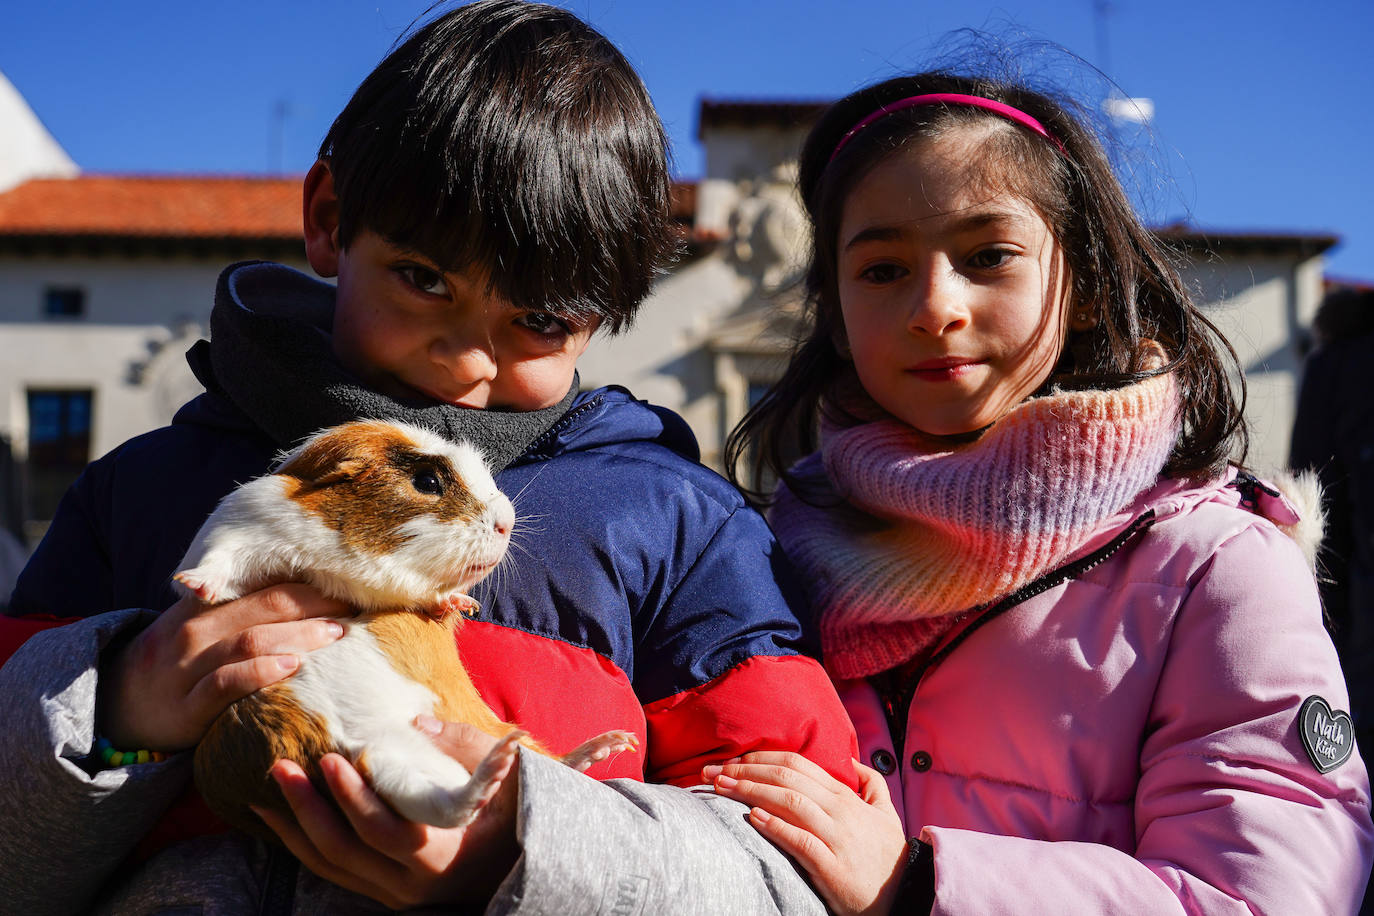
427, 482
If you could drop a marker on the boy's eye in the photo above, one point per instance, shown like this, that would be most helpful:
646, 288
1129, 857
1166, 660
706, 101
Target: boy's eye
423, 279
882, 273
543, 323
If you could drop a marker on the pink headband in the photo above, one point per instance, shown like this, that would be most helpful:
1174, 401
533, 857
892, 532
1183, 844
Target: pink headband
949, 98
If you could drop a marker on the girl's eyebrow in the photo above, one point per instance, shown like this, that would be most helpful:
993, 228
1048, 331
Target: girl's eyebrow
950, 223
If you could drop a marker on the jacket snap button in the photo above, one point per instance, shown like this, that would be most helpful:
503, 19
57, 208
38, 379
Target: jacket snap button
883, 762
921, 761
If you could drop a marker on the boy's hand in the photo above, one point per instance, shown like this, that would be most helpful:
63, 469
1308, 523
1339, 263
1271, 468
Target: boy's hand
852, 846
373, 851
164, 689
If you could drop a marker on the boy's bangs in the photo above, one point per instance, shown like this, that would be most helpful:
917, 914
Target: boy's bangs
513, 140
520, 242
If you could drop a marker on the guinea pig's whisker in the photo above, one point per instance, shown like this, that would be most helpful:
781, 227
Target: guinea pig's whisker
516, 498
523, 524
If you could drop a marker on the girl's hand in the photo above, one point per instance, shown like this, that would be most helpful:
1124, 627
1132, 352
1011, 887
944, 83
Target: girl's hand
169, 683
852, 846
372, 851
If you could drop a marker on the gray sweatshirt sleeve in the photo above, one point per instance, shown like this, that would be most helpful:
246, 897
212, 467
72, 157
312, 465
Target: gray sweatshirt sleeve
627, 847
63, 831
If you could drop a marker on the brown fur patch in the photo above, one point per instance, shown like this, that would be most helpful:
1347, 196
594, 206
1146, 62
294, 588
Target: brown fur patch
358, 478
423, 650
232, 761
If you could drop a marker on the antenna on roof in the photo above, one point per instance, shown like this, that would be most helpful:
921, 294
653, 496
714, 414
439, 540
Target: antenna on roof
275, 130
1121, 108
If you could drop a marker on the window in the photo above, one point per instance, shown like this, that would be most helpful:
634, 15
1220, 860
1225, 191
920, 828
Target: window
59, 447
757, 390
64, 302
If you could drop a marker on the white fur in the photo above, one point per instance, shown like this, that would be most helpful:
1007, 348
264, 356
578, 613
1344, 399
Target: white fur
1304, 491
406, 768
257, 535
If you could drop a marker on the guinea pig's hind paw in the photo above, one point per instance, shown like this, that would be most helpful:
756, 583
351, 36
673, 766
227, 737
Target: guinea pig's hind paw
487, 779
599, 748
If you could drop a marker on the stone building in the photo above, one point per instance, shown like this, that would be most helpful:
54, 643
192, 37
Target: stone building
105, 281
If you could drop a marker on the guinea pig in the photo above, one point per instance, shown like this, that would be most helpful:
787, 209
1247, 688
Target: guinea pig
399, 523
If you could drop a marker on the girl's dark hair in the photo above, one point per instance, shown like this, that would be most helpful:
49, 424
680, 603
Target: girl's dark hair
1120, 272
514, 139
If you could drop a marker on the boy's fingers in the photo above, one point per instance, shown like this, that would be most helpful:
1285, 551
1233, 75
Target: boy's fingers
336, 850
222, 686
372, 819
300, 846
465, 743
275, 604
290, 638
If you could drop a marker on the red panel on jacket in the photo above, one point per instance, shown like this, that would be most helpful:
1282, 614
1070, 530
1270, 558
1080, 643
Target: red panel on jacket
561, 694
765, 703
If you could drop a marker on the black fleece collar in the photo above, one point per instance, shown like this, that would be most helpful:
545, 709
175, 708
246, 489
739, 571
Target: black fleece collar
270, 355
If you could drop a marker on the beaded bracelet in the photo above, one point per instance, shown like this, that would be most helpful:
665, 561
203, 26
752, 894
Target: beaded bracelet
113, 758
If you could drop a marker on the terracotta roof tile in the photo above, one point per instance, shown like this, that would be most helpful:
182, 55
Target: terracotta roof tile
154, 206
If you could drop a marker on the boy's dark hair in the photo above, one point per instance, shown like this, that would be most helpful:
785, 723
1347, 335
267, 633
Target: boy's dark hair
1120, 272
514, 139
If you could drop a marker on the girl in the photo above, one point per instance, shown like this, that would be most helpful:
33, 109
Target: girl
1080, 650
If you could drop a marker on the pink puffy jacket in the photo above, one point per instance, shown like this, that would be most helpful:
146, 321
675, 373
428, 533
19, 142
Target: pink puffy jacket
1123, 736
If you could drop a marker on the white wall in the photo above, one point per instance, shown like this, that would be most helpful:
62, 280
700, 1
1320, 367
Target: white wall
142, 312
1263, 304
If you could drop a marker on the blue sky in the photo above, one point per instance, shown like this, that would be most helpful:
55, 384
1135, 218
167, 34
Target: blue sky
1263, 120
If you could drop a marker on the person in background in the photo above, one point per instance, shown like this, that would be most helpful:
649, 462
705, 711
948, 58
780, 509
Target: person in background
1333, 436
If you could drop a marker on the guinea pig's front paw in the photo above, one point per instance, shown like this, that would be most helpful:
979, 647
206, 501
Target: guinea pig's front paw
599, 748
208, 587
456, 603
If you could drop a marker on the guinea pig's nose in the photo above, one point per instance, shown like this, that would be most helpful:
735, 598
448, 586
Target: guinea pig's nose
502, 516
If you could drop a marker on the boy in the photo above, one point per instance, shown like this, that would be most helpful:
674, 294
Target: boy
495, 192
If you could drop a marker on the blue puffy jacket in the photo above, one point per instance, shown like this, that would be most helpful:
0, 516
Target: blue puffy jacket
643, 593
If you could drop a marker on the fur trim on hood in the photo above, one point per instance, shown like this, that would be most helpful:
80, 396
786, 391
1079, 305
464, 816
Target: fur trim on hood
1302, 492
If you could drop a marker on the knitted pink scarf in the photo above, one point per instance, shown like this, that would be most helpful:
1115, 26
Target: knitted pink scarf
923, 532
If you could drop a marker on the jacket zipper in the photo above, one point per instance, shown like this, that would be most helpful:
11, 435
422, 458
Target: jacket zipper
561, 424
897, 691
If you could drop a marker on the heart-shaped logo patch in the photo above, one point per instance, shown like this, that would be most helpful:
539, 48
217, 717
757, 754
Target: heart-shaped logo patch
1328, 735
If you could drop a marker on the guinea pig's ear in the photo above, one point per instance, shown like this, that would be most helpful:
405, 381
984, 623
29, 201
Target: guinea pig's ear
343, 471
321, 467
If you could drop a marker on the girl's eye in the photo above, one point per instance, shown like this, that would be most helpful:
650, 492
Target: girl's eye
423, 279
991, 258
543, 323
882, 273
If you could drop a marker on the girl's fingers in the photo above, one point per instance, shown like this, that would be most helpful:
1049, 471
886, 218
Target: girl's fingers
805, 847
781, 776
794, 762
794, 806
872, 786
